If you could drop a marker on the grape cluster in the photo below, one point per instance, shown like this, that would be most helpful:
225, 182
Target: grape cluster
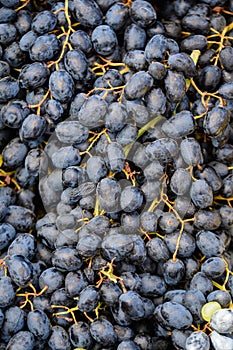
116, 175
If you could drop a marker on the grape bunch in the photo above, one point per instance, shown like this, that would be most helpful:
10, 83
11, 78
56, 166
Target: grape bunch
116, 175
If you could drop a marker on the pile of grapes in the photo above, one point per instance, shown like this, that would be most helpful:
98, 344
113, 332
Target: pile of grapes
116, 175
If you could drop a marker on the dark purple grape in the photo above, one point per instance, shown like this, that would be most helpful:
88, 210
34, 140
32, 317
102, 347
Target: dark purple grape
156, 48
156, 102
27, 40
8, 33
175, 86
87, 13
179, 125
14, 153
88, 299
23, 22
44, 22
108, 194
196, 20
7, 234
180, 181
165, 150
14, 56
221, 296
128, 345
176, 315
14, 322
7, 292
103, 332
168, 222
44, 48
157, 70
59, 339
110, 292
9, 88
13, 113
115, 117
65, 157
80, 335
213, 267
201, 194
197, 338
7, 15
157, 250
20, 269
73, 176
209, 78
92, 111
24, 244
226, 90
194, 42
182, 62
134, 37
33, 127
4, 69
70, 132
117, 16
131, 199
96, 168
88, 245
21, 218
52, 278
132, 304
135, 59
143, 13
187, 243
212, 178
173, 271
104, 40
209, 243
22, 340
76, 64
208, 220
152, 285
117, 246
61, 86
148, 221
38, 324
226, 58
81, 40
33, 75
138, 85
218, 22
191, 151
66, 259
75, 282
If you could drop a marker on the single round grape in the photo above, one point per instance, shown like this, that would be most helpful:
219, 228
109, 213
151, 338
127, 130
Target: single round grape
198, 340
23, 340
104, 40
138, 85
38, 324
201, 194
61, 86
222, 321
88, 13
179, 125
44, 48
143, 13
44, 22
108, 194
9, 88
